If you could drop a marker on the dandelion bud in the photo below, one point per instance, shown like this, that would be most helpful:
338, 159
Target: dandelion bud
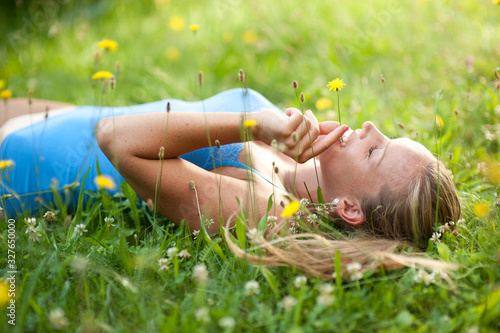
217, 143
382, 78
200, 78
241, 75
161, 154
401, 125
456, 112
168, 106
295, 84
191, 185
302, 98
497, 75
112, 83
150, 204
276, 169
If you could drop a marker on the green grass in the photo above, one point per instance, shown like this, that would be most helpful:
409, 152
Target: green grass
418, 46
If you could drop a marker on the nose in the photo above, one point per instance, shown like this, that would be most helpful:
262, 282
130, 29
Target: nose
369, 129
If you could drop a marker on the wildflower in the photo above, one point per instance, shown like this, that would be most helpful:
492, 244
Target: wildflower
30, 221
80, 229
299, 281
481, 209
2, 84
108, 44
295, 84
325, 297
304, 202
336, 84
496, 2
49, 216
254, 236
173, 54
200, 273
57, 319
4, 293
128, 285
176, 23
6, 94
202, 315
291, 209
171, 252
227, 322
162, 262
194, 27
249, 123
271, 221
249, 37
354, 270
252, 288
184, 254
302, 97
4, 164
34, 235
323, 103
439, 122
423, 277
101, 75
195, 234
289, 302
109, 222
105, 182
435, 237
209, 223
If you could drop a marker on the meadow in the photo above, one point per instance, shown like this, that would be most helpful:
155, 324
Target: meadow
427, 70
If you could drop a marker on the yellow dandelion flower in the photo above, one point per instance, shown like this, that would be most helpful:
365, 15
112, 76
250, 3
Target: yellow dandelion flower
4, 164
105, 182
176, 23
2, 84
491, 171
194, 27
496, 2
250, 37
291, 209
108, 44
336, 84
4, 294
173, 54
323, 103
481, 209
6, 94
249, 123
439, 122
101, 75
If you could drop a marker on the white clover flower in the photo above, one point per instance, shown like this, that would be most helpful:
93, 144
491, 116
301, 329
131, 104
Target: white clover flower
200, 273
252, 287
184, 254
420, 276
49, 216
430, 278
171, 252
326, 288
304, 202
209, 223
299, 281
435, 237
312, 218
162, 262
57, 319
271, 221
30, 221
202, 315
324, 299
227, 322
80, 229
354, 270
109, 222
34, 235
195, 234
254, 236
289, 302
171, 224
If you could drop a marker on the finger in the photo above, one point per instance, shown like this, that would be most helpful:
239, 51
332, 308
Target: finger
324, 142
294, 120
326, 127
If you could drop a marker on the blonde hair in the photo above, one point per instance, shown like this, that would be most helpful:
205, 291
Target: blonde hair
389, 224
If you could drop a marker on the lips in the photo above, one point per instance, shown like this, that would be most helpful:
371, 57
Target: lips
346, 135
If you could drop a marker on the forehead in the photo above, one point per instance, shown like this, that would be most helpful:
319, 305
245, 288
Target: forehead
403, 160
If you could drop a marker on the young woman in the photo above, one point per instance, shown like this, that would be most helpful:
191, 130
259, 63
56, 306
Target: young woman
393, 188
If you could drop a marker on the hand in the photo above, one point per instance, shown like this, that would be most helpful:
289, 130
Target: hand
301, 136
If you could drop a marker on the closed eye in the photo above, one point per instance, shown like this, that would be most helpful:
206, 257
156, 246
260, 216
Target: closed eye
371, 151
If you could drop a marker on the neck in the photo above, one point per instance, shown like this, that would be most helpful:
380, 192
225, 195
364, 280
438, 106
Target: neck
296, 180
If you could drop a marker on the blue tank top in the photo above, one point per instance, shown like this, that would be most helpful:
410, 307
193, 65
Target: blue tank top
60, 150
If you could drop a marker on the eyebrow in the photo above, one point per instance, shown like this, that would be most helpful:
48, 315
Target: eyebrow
383, 153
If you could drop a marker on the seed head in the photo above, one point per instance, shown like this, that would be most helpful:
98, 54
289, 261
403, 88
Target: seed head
302, 98
168, 107
150, 204
191, 185
401, 125
161, 154
456, 112
276, 169
112, 83
200, 78
30, 94
382, 78
241, 75
217, 144
295, 84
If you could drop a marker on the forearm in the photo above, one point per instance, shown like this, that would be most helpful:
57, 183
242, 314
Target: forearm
178, 132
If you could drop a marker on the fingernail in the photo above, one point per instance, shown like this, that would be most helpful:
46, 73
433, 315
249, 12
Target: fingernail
346, 128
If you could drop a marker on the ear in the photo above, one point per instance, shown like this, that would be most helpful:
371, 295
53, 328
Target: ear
350, 211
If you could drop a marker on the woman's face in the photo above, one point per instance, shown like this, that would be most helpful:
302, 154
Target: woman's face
367, 161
